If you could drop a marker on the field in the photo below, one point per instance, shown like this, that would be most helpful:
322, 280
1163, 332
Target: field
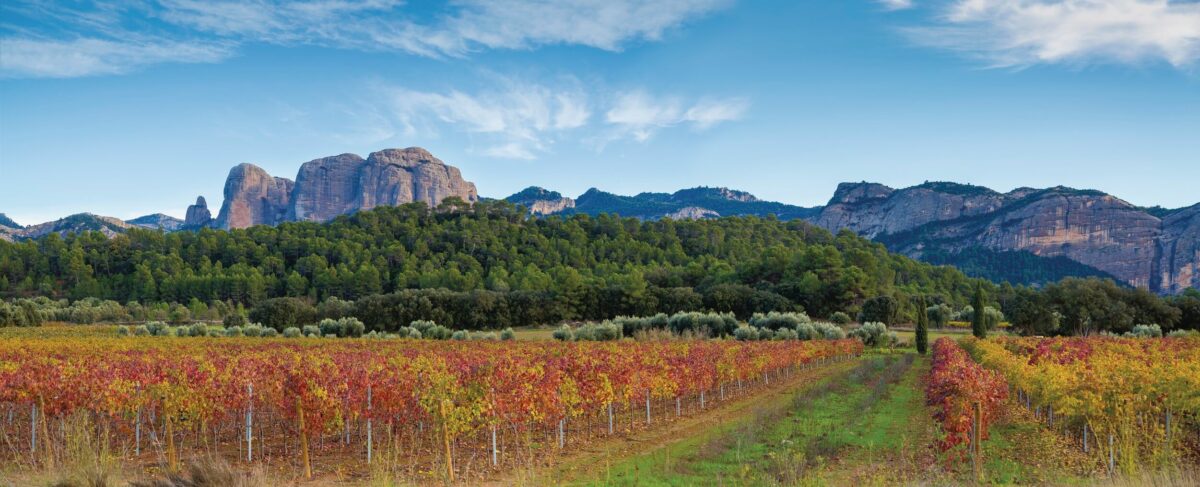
80, 403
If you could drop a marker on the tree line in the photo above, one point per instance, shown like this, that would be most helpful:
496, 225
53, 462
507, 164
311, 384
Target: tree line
491, 265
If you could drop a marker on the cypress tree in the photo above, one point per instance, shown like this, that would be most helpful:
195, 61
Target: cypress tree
922, 331
978, 327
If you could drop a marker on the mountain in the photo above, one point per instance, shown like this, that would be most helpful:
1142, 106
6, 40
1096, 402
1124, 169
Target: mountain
702, 202
157, 221
5, 221
541, 201
1089, 227
338, 185
197, 215
80, 222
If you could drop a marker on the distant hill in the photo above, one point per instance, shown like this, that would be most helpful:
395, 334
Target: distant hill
701, 202
157, 221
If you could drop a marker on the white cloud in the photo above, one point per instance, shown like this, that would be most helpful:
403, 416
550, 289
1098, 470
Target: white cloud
192, 30
84, 57
519, 121
1014, 33
639, 115
896, 4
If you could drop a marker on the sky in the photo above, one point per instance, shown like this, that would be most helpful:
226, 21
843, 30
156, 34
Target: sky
130, 108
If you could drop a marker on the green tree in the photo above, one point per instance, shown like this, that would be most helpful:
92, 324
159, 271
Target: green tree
978, 322
922, 331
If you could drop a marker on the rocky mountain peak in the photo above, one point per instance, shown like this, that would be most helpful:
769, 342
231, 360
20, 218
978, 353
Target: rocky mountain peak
722, 193
157, 221
197, 215
541, 201
8, 222
254, 197
851, 193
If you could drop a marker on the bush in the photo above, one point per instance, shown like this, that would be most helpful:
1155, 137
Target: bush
881, 309
746, 333
840, 318
180, 331
413, 333
1145, 331
508, 334
775, 320
438, 332
281, 312
873, 334
235, 319
233, 331
311, 330
253, 330
291, 332
563, 333
806, 331
460, 335
158, 328
271, 332
601, 332
141, 331
198, 330
484, 335
1184, 334
122, 331
829, 331
786, 334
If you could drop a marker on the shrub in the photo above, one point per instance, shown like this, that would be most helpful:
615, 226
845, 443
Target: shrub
564, 333
141, 331
806, 331
413, 333
785, 334
775, 320
233, 331
157, 328
235, 319
198, 330
873, 334
1145, 331
311, 331
422, 325
271, 332
880, 309
829, 331
438, 332
484, 335
330, 326
291, 332
460, 335
281, 312
180, 331
508, 334
840, 318
122, 331
746, 333
1184, 334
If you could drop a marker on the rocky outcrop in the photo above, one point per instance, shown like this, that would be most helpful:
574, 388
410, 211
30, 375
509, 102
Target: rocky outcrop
692, 213
331, 186
157, 221
253, 197
541, 201
1178, 264
80, 222
197, 215
1089, 227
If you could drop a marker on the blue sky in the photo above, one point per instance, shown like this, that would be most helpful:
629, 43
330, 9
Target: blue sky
133, 108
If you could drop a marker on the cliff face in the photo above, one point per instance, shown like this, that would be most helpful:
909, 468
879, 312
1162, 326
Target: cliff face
1088, 227
337, 185
253, 197
197, 215
541, 201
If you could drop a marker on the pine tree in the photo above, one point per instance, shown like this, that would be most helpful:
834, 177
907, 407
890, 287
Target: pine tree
922, 331
978, 326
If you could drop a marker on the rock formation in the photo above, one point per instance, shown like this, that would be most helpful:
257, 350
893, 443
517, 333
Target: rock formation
253, 197
1089, 227
339, 185
541, 201
692, 213
197, 215
157, 221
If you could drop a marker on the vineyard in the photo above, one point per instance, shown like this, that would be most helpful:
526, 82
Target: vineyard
1133, 404
436, 410
965, 397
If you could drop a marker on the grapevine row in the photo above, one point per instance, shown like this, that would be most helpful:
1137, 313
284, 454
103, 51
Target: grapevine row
966, 397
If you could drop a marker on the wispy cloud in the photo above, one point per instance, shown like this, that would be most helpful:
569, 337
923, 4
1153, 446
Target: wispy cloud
639, 115
517, 121
99, 33
1016, 33
896, 4
524, 120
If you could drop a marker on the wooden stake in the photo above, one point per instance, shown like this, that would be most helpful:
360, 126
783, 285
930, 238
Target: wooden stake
303, 439
446, 439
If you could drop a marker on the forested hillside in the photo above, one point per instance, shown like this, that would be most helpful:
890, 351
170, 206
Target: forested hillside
567, 267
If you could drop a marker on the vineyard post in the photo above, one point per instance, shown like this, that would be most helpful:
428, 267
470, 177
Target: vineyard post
369, 442
1111, 460
610, 418
1085, 437
647, 407
249, 423
678, 407
137, 427
33, 412
978, 441
722, 391
446, 438
303, 439
562, 439
702, 398
1168, 431
495, 455
172, 459
45, 432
